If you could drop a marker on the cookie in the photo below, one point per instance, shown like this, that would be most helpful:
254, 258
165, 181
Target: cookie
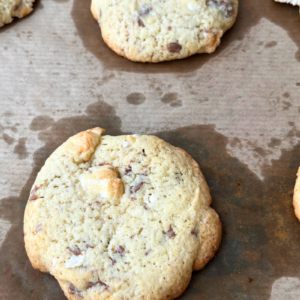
120, 217
296, 200
155, 31
10, 9
294, 2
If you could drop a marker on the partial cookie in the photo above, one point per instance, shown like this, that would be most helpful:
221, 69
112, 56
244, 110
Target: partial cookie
10, 9
296, 201
155, 31
120, 217
294, 2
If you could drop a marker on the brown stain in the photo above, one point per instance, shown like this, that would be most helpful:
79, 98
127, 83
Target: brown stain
41, 123
8, 139
250, 13
298, 84
274, 143
136, 98
8, 114
271, 44
172, 99
286, 95
169, 98
20, 149
287, 105
261, 233
177, 103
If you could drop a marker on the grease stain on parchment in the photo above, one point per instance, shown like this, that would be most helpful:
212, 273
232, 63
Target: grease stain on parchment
136, 98
20, 149
261, 233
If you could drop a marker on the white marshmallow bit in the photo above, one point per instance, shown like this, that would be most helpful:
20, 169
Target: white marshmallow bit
152, 198
126, 144
192, 6
75, 261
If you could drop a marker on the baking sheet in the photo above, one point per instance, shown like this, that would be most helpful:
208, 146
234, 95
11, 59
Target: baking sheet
235, 111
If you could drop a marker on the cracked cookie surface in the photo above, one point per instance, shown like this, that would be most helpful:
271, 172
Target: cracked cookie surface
120, 217
10, 9
155, 30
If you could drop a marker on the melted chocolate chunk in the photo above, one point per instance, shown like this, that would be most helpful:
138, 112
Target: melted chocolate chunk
99, 282
193, 232
137, 187
128, 170
140, 22
33, 195
76, 251
120, 249
145, 10
74, 291
38, 228
174, 47
170, 233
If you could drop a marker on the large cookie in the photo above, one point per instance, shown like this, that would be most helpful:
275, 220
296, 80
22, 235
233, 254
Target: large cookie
10, 9
156, 30
124, 217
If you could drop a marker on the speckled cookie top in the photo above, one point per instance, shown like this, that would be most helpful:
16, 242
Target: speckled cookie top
153, 31
124, 217
14, 8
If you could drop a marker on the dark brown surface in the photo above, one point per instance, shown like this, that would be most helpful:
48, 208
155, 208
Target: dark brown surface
261, 232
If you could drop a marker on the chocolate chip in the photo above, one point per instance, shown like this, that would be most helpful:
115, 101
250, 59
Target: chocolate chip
128, 170
170, 233
174, 47
74, 291
103, 164
144, 153
16, 7
113, 261
145, 207
33, 195
250, 279
148, 251
145, 10
226, 7
99, 282
76, 251
38, 228
137, 187
169, 28
140, 22
120, 249
193, 232
89, 246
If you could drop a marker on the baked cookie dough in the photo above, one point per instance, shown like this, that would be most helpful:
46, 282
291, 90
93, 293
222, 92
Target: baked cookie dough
120, 217
155, 30
10, 9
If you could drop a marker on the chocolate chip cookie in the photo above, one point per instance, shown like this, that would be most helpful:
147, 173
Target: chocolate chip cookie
10, 9
120, 217
155, 30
